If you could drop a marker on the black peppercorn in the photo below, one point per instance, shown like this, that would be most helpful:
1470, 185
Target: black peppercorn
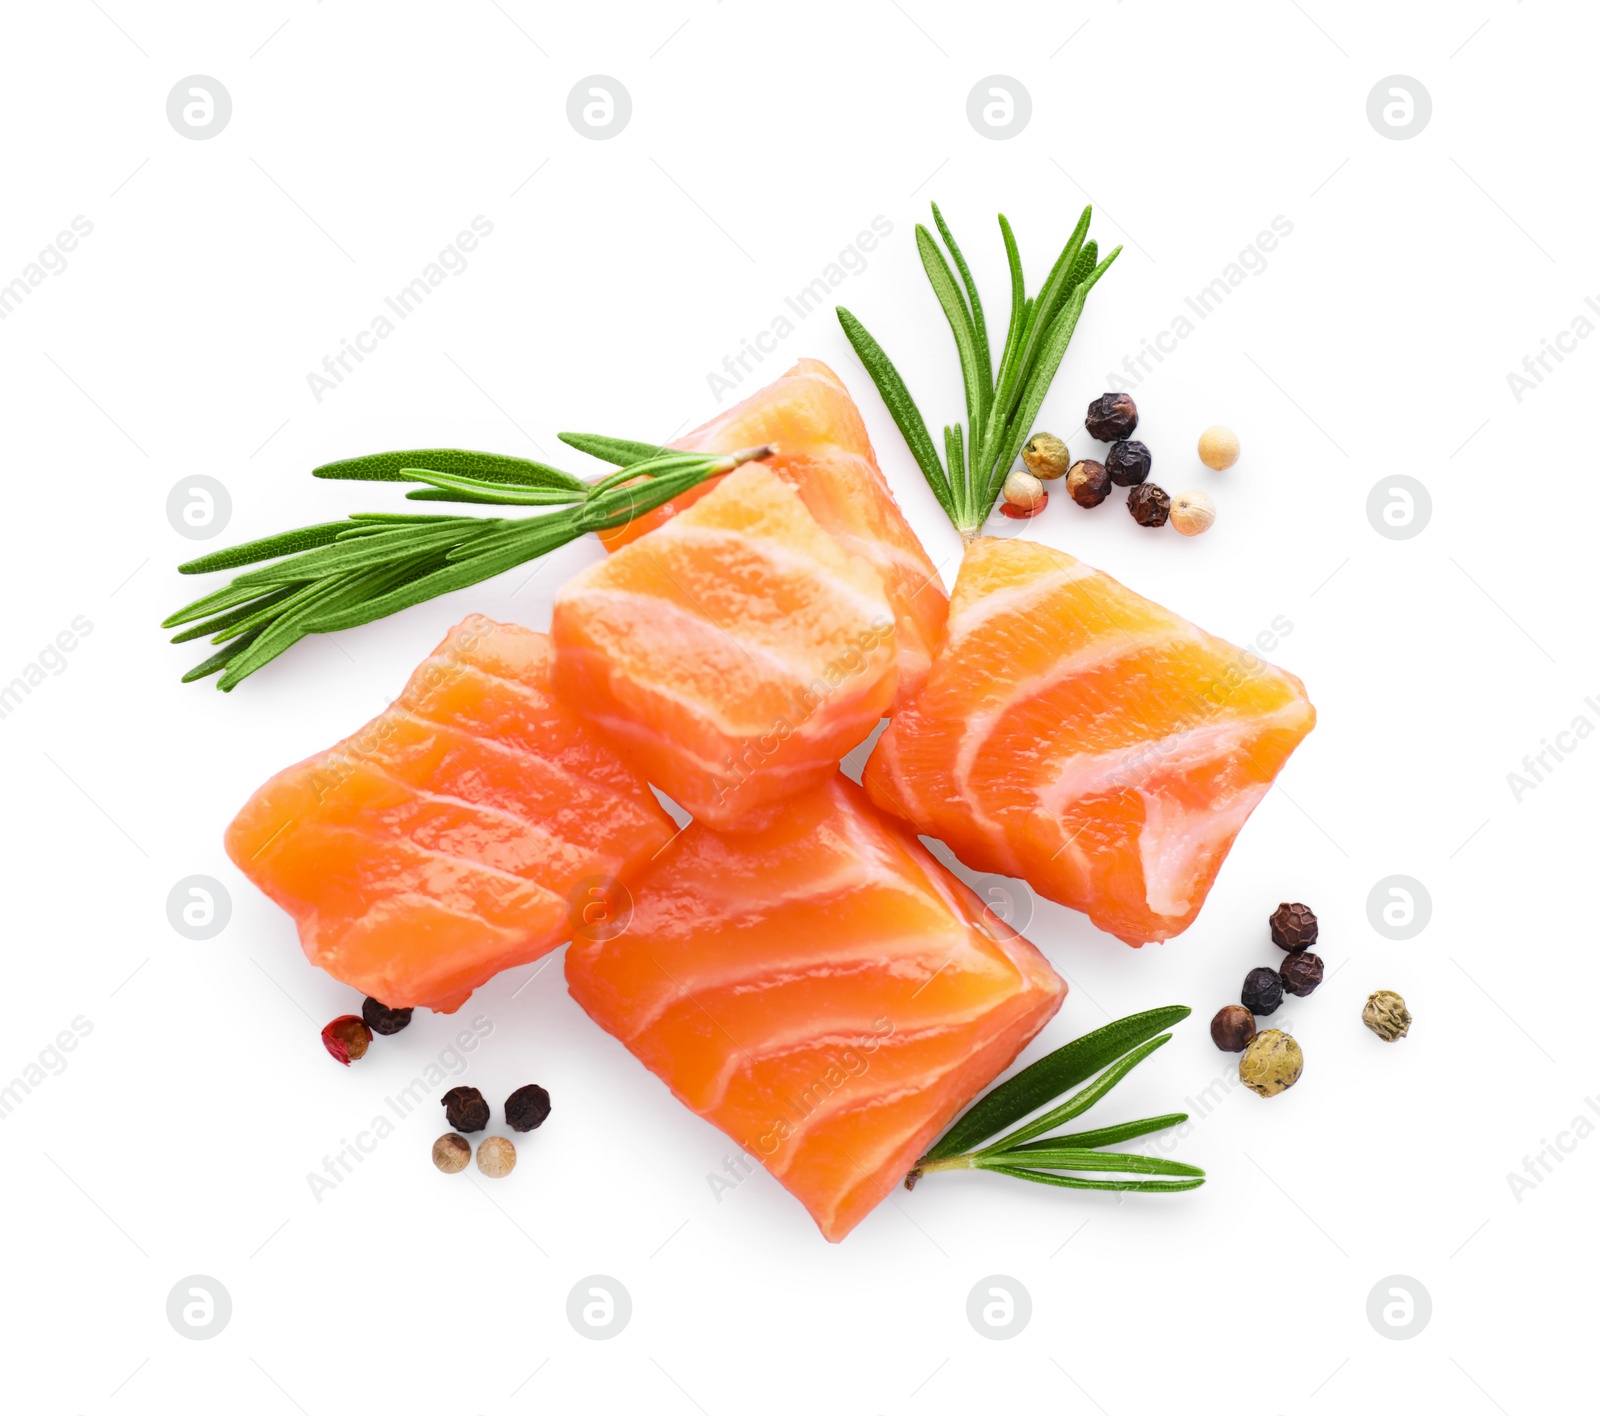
527, 1107
465, 1109
1149, 505
384, 1020
1232, 1028
1128, 463
1301, 973
1263, 991
1293, 927
1088, 483
1111, 416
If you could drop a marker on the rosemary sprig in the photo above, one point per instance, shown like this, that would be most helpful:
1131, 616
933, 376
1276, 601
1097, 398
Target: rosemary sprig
340, 574
1001, 403
1026, 1153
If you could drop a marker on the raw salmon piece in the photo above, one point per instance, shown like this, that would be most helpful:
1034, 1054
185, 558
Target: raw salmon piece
824, 454
734, 655
1076, 735
823, 991
441, 843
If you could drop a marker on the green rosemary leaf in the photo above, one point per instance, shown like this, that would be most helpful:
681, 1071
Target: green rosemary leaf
902, 408
1041, 1082
226, 598
955, 309
283, 544
1081, 1100
1073, 1182
1019, 299
487, 466
1126, 1162
269, 613
234, 616
1103, 1135
979, 328
1086, 261
1055, 292
618, 451
455, 576
479, 490
221, 658
398, 518
956, 460
345, 556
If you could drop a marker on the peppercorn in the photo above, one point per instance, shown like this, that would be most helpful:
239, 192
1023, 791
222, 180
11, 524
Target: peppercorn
1111, 416
465, 1108
1301, 973
1149, 505
1387, 1015
496, 1156
346, 1039
385, 1020
1023, 489
452, 1152
1088, 483
1128, 463
1293, 927
1192, 513
1046, 456
1263, 991
1219, 448
1232, 1028
527, 1107
1023, 513
1272, 1063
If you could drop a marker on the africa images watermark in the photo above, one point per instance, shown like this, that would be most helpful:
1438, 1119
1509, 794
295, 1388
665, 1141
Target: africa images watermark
51, 1061
405, 302
1536, 366
816, 295
1540, 1166
1205, 302
52, 659
1537, 766
52, 260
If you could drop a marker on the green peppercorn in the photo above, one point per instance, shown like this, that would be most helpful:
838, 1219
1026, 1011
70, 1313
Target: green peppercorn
1272, 1063
1387, 1015
1046, 456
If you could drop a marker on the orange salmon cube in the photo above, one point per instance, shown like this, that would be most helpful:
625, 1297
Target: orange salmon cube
734, 655
1076, 735
441, 843
823, 991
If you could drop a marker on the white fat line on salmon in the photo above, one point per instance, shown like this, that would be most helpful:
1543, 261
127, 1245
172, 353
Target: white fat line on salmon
336, 766
756, 752
1537, 766
448, 1066
815, 295
49, 1062
1205, 302
52, 658
850, 1063
1562, 343
405, 302
52, 260
1538, 1167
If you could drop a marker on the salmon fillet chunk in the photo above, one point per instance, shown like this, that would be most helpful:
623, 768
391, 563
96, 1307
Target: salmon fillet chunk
441, 843
1083, 738
823, 453
734, 655
822, 990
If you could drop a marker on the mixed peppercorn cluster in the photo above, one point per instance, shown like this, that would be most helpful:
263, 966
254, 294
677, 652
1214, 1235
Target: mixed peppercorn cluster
1112, 418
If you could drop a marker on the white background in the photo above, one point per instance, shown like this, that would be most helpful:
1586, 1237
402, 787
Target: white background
1377, 340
